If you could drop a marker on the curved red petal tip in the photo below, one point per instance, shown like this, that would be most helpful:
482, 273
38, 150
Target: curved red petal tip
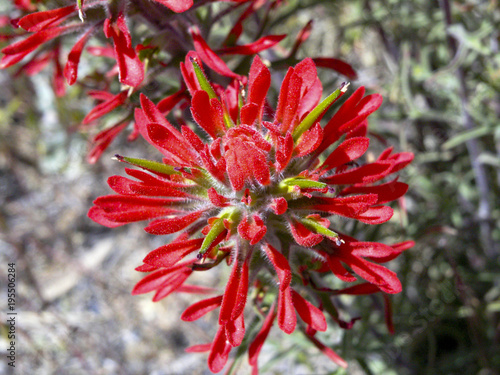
279, 205
200, 308
177, 6
287, 319
219, 351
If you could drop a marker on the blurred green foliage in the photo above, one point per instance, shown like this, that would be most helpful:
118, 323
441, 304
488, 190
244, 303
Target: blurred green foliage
437, 64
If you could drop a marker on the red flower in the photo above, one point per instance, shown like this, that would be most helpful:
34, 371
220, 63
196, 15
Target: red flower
257, 192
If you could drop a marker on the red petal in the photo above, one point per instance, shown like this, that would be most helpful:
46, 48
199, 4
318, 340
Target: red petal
165, 105
388, 313
362, 175
98, 215
71, 68
376, 274
309, 141
160, 278
279, 205
35, 65
252, 230
245, 160
151, 114
173, 285
309, 313
219, 351
168, 255
200, 308
131, 69
402, 246
42, 20
328, 352
115, 210
284, 151
177, 6
249, 113
376, 215
401, 160
256, 345
336, 64
192, 138
146, 268
208, 114
302, 235
338, 270
235, 295
344, 206
287, 114
201, 348
352, 113
105, 107
17, 51
235, 331
259, 45
372, 250
209, 57
360, 289
188, 73
281, 266
387, 192
259, 81
195, 289
347, 151
287, 320
102, 140
172, 225
169, 142
125, 186
217, 199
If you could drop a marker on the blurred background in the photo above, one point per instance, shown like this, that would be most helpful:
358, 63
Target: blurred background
437, 65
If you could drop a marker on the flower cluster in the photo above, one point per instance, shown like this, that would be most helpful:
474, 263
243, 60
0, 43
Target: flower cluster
254, 188
113, 27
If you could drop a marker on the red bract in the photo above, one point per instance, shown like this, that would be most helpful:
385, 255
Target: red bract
130, 67
258, 192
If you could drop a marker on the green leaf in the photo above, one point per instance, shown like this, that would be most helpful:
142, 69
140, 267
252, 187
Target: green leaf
318, 228
217, 228
466, 136
317, 111
303, 183
207, 87
203, 81
149, 165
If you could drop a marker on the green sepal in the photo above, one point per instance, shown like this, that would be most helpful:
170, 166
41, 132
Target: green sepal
203, 81
149, 165
303, 183
217, 228
311, 118
207, 87
318, 228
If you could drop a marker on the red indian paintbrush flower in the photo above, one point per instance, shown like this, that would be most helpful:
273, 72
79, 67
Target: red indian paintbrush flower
257, 190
